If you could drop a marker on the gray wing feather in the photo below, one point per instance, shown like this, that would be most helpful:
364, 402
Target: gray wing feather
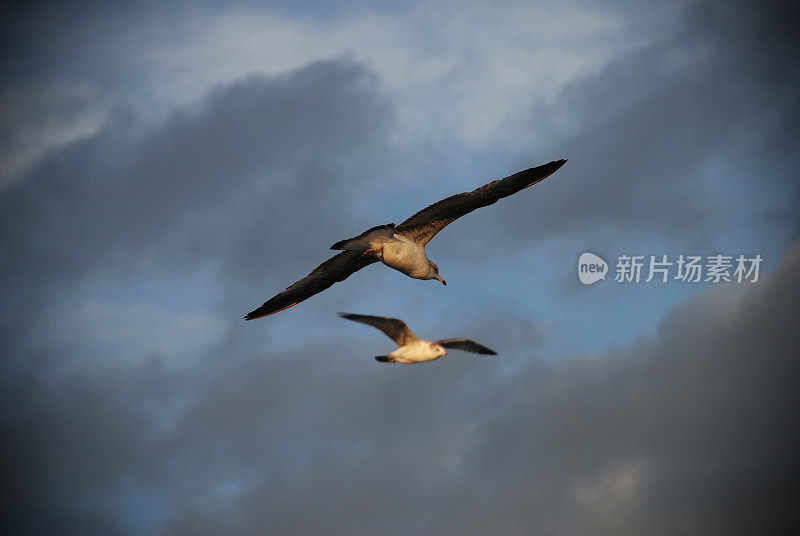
395, 329
337, 268
424, 225
466, 345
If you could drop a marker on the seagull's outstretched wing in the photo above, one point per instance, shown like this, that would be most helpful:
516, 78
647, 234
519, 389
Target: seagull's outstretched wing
466, 345
395, 329
337, 268
424, 225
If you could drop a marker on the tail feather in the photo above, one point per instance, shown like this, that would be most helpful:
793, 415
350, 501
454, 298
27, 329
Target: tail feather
362, 242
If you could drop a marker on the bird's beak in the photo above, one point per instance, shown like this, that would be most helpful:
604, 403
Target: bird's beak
442, 281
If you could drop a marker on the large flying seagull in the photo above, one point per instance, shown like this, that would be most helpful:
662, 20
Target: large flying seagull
401, 247
410, 348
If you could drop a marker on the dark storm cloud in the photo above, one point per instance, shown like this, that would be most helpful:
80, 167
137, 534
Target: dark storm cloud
702, 413
691, 432
220, 183
123, 190
647, 128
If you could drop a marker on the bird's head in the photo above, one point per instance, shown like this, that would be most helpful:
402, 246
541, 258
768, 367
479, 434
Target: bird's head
434, 273
440, 351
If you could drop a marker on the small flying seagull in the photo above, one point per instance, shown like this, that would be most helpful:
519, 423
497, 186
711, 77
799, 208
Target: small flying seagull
411, 349
401, 247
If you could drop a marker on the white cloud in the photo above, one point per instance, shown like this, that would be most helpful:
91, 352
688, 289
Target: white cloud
41, 118
615, 492
462, 72
465, 73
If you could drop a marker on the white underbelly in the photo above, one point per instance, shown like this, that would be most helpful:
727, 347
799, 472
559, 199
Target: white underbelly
406, 257
415, 352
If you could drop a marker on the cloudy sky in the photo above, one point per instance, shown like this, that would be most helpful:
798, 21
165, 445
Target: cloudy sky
164, 170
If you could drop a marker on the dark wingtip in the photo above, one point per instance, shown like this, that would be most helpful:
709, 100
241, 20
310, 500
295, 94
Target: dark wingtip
553, 166
544, 171
258, 313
